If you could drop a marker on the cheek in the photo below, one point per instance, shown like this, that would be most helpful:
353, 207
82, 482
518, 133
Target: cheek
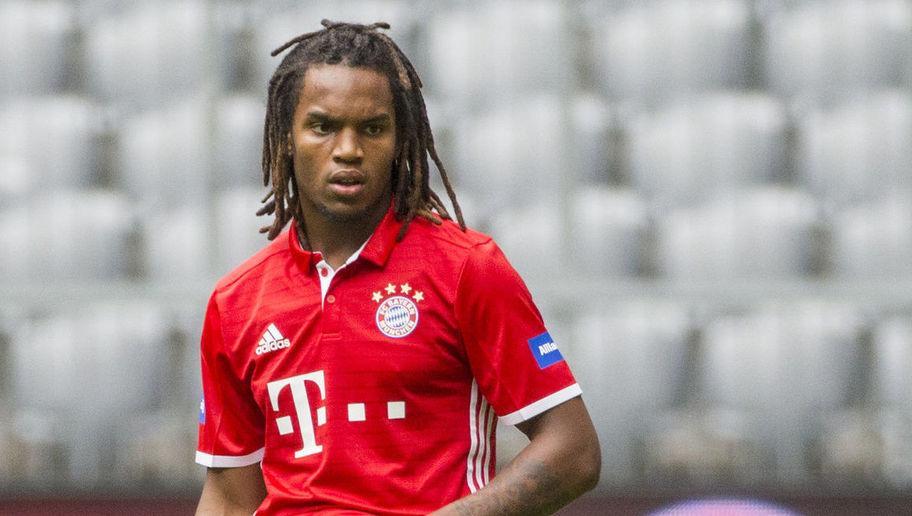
306, 161
386, 150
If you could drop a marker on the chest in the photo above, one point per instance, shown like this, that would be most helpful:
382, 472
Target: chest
391, 334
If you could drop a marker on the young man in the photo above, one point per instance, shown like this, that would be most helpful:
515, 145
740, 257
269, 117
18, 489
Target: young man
358, 364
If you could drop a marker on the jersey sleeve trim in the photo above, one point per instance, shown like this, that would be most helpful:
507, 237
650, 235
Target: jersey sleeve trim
229, 461
533, 409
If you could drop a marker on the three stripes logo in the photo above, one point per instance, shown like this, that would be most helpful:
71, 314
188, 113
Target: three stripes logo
272, 340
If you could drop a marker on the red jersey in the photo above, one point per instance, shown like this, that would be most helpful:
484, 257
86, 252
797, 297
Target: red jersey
377, 391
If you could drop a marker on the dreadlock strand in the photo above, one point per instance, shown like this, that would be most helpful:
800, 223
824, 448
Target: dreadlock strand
295, 41
438, 205
266, 161
427, 138
400, 188
267, 209
402, 72
414, 193
277, 166
432, 150
449, 187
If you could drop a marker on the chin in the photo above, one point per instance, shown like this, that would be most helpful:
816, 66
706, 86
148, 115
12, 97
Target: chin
345, 213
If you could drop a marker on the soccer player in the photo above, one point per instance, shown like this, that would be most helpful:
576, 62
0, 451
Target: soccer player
359, 362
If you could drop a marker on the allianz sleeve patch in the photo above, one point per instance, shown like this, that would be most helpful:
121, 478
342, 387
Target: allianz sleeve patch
545, 350
202, 412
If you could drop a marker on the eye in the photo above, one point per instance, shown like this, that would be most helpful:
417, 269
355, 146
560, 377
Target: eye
321, 128
373, 129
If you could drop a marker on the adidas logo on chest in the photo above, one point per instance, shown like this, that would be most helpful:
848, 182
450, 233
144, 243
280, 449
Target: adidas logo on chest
272, 340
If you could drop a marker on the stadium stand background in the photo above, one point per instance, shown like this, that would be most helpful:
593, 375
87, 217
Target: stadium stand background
710, 199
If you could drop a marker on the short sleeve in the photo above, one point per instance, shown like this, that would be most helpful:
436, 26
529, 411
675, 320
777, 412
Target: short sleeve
517, 365
231, 425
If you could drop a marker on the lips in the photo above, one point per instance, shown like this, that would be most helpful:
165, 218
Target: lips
347, 182
346, 177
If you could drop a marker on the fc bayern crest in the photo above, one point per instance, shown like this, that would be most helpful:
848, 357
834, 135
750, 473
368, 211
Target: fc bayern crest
397, 315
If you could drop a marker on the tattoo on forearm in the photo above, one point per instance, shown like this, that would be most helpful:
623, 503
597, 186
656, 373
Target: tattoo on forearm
531, 488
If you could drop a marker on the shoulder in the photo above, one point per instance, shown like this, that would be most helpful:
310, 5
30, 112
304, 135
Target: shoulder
274, 254
450, 237
471, 253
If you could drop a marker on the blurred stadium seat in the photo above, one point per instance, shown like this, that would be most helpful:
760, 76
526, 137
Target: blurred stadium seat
531, 238
164, 157
892, 379
35, 453
783, 366
14, 243
666, 49
630, 360
237, 228
512, 154
153, 447
16, 179
177, 244
892, 341
858, 150
35, 53
485, 51
95, 365
148, 53
873, 240
763, 233
593, 128
608, 231
153, 451
822, 49
709, 447
238, 146
186, 330
55, 137
697, 147
66, 235
86, 235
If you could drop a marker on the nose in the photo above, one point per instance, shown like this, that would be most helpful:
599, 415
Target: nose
348, 146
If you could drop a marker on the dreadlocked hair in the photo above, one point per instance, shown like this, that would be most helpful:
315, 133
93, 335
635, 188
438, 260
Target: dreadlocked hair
356, 46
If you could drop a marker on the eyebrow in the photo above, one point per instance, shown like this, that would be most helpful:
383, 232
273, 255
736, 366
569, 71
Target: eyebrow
320, 116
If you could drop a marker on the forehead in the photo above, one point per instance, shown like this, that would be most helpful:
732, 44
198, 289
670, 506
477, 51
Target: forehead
344, 91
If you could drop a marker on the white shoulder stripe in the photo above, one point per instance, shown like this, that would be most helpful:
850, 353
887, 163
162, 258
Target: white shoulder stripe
489, 429
476, 438
229, 461
533, 409
473, 438
482, 421
482, 442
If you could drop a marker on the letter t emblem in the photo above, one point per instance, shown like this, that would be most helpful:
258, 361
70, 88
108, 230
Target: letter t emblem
298, 385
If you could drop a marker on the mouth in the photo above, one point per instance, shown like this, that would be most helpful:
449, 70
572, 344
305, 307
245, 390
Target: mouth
346, 183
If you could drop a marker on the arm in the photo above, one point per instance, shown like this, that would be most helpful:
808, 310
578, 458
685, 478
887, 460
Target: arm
230, 491
561, 462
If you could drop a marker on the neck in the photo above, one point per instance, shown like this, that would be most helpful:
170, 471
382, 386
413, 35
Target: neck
337, 240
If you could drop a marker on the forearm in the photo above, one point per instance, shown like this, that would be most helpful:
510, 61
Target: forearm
213, 504
537, 481
231, 491
220, 507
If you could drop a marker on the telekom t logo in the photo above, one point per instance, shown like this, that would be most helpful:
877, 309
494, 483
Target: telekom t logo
298, 386
357, 413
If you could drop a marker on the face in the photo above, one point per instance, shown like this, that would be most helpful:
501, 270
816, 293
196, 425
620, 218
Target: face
344, 141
